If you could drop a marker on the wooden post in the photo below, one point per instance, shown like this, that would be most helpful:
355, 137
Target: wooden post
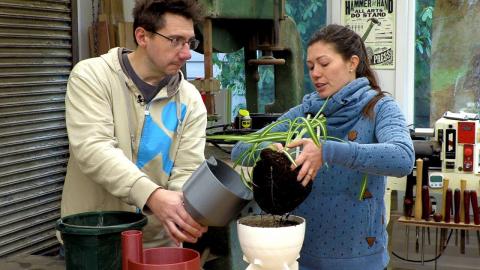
463, 187
208, 66
418, 194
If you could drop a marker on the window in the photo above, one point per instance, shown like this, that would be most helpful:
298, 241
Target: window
423, 43
447, 60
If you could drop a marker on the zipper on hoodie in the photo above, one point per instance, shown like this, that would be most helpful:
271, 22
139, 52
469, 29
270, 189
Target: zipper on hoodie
147, 110
146, 114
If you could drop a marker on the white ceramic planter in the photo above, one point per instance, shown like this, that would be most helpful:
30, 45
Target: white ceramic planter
271, 248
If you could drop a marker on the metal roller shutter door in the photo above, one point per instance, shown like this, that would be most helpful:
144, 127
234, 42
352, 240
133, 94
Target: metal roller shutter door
35, 61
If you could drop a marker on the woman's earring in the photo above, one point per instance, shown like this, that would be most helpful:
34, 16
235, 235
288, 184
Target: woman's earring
350, 70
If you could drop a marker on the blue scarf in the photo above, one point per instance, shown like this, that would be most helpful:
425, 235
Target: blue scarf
344, 108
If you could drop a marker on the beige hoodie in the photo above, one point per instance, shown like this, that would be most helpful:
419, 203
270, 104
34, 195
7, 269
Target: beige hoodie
114, 163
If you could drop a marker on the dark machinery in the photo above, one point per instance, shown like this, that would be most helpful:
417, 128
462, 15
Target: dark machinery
268, 36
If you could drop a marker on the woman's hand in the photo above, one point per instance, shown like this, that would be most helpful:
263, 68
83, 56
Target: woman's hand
311, 160
276, 147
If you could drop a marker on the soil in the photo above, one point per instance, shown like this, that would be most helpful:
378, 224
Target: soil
269, 221
275, 186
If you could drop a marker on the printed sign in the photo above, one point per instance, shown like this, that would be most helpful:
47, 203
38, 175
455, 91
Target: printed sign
374, 21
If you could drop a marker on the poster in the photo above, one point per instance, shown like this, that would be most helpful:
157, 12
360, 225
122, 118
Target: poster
374, 21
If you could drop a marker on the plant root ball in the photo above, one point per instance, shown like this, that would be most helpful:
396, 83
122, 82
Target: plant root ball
275, 186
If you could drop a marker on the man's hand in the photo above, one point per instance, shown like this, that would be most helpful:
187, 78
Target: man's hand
311, 159
167, 206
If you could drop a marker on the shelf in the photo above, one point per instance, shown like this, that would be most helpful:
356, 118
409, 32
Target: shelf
451, 225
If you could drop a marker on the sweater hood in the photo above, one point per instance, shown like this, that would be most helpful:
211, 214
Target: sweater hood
114, 60
344, 108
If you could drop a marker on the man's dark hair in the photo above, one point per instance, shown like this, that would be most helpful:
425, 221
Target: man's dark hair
149, 13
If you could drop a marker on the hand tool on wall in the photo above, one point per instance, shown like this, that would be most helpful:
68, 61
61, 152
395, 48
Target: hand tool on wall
417, 244
463, 186
448, 205
456, 214
426, 208
466, 206
418, 193
408, 205
408, 199
448, 210
473, 198
418, 199
462, 241
425, 203
443, 232
467, 237
478, 241
425, 169
466, 219
476, 218
444, 197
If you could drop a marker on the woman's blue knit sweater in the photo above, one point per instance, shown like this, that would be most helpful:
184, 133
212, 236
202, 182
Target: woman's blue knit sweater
338, 223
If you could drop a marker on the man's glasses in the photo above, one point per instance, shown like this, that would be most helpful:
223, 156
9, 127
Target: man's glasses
178, 42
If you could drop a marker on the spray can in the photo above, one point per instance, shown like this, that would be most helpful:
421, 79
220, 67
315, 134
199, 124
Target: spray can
245, 120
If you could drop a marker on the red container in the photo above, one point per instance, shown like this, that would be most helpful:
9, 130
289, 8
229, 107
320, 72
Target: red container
167, 258
163, 258
132, 247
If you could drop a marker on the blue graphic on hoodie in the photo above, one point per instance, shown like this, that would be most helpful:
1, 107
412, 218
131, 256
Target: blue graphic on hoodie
155, 141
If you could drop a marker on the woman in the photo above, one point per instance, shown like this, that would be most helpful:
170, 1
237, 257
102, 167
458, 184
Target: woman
344, 232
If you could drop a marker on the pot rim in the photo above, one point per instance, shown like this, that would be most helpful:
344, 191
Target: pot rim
300, 220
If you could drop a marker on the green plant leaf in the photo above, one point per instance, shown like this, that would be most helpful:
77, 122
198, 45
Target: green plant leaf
289, 157
246, 179
268, 128
363, 187
296, 129
317, 115
310, 131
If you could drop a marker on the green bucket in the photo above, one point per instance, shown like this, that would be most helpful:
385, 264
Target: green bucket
92, 240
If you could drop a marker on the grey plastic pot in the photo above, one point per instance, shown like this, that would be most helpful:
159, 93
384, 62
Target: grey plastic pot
215, 194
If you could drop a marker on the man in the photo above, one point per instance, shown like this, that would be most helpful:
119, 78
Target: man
136, 127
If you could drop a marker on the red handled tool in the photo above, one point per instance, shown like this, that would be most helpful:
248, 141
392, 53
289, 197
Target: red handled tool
473, 198
448, 205
456, 212
425, 203
466, 205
